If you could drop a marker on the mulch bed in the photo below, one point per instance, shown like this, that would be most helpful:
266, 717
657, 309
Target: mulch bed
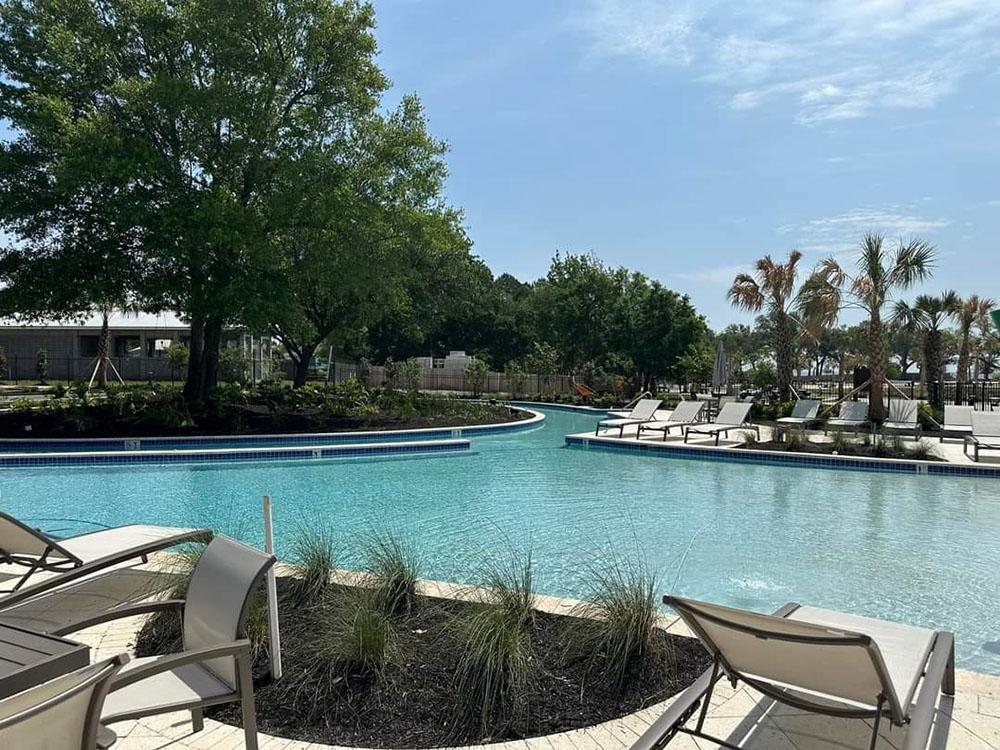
413, 704
885, 450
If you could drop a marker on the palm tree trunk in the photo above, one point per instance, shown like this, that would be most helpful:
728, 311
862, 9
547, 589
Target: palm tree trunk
784, 355
876, 363
963, 357
102, 352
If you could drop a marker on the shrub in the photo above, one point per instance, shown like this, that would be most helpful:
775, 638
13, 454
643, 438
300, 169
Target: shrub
497, 669
177, 356
617, 621
475, 375
233, 364
923, 451
358, 637
41, 365
750, 438
840, 442
391, 561
314, 561
409, 374
929, 416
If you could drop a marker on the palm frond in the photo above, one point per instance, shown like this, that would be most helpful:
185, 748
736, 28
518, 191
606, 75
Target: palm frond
913, 262
745, 293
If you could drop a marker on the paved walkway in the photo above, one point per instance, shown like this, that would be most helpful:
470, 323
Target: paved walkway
970, 721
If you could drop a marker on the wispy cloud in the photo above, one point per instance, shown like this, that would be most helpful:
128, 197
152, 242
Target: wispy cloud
831, 60
714, 275
842, 232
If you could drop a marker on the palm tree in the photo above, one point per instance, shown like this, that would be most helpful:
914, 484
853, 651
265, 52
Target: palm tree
772, 287
927, 316
970, 311
879, 273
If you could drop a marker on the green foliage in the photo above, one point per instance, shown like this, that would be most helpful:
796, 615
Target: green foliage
498, 668
929, 417
697, 363
617, 621
475, 375
923, 451
358, 638
763, 375
315, 561
177, 356
233, 364
395, 569
3, 363
409, 372
840, 443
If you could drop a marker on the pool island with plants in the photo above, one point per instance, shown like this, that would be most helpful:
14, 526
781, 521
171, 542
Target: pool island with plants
370, 660
264, 409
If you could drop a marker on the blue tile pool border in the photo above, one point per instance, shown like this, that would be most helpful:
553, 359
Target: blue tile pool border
745, 456
81, 458
41, 446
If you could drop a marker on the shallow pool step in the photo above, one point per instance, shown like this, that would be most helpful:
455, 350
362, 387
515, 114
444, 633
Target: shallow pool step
200, 455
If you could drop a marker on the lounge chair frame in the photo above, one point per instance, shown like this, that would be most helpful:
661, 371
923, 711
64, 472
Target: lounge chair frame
71, 567
938, 673
668, 426
718, 430
623, 422
980, 442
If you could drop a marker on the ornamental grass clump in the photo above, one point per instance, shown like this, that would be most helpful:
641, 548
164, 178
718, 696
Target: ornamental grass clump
616, 624
394, 570
356, 637
498, 669
314, 562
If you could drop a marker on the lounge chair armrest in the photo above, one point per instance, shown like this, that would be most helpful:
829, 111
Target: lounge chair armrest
173, 661
129, 610
676, 714
940, 676
133, 553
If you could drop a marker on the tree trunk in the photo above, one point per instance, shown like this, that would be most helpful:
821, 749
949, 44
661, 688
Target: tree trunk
783, 355
932, 356
876, 363
210, 357
305, 356
196, 348
963, 359
102, 352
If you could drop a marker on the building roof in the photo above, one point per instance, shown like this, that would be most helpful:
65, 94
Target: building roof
148, 321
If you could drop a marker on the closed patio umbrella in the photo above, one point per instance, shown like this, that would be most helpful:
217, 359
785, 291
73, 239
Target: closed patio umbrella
719, 376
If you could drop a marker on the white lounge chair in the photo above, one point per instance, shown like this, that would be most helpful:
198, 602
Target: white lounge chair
61, 714
985, 433
732, 416
804, 414
34, 550
643, 411
902, 417
214, 667
957, 422
815, 660
685, 414
853, 416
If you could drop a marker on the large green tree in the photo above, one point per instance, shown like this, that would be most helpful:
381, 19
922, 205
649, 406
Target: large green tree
178, 116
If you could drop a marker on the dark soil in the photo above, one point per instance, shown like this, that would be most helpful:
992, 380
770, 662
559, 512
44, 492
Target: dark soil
101, 421
885, 450
413, 703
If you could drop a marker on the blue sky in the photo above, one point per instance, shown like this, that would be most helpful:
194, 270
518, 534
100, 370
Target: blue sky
686, 139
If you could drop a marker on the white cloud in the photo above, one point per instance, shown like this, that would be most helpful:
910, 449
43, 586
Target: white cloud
714, 275
842, 232
830, 59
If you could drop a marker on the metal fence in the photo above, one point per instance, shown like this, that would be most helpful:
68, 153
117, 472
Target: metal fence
81, 368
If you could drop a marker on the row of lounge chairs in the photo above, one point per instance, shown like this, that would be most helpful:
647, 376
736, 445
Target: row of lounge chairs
84, 588
980, 430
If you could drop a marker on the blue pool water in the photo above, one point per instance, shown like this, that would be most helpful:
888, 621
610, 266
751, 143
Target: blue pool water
919, 549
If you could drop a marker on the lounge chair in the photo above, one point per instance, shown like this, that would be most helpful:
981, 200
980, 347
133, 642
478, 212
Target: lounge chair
35, 551
732, 416
853, 416
985, 433
685, 414
957, 422
815, 660
643, 411
804, 414
902, 417
214, 666
61, 714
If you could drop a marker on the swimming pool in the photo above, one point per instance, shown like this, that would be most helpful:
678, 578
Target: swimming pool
920, 549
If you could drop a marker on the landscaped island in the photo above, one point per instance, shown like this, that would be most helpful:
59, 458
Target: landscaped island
264, 409
373, 662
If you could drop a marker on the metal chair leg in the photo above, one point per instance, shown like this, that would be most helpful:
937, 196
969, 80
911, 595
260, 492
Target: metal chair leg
245, 681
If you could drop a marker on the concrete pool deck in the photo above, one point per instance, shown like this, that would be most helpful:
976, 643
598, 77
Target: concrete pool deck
969, 721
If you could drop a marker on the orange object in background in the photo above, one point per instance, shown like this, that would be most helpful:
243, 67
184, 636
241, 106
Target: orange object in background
584, 391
